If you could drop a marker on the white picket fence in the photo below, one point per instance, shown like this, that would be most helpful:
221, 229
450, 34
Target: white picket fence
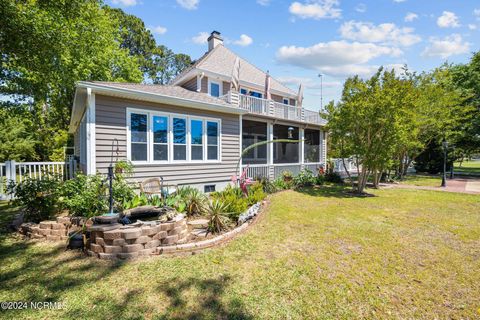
16, 172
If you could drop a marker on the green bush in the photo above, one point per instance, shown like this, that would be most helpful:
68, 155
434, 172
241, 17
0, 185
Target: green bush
268, 186
85, 196
234, 199
304, 179
333, 177
320, 179
37, 197
255, 193
281, 184
218, 217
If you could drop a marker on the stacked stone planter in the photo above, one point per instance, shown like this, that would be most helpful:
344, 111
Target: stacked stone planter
49, 230
140, 239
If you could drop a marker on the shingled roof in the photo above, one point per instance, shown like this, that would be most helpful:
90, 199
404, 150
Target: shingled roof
220, 60
166, 90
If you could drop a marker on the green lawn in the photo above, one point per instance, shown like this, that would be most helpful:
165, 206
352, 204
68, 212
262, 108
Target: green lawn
315, 254
422, 180
468, 166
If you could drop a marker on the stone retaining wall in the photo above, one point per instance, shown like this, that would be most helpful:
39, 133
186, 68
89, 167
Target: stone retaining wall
130, 241
50, 230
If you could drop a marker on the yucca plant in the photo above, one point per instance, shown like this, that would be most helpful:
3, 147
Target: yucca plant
195, 200
218, 218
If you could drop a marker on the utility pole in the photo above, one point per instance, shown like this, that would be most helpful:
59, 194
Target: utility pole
321, 91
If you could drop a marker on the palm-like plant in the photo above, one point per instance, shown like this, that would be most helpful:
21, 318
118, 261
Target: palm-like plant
195, 200
218, 218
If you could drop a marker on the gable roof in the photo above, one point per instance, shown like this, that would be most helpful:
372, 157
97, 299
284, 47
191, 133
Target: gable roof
168, 94
220, 61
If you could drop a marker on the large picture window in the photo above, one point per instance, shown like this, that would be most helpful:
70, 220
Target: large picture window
169, 138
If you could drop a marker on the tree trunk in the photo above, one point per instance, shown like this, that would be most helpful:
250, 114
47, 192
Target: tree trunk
347, 172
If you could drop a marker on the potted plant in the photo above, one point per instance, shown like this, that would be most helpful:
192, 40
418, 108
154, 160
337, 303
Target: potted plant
287, 176
123, 166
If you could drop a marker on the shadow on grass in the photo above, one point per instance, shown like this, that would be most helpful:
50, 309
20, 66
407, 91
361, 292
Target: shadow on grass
334, 191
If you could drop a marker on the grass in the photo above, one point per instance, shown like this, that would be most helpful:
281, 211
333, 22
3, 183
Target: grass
468, 166
422, 180
314, 254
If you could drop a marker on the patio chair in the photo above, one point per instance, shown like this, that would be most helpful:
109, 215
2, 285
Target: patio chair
155, 186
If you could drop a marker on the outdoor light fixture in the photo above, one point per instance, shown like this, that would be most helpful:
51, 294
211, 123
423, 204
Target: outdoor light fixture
290, 132
444, 176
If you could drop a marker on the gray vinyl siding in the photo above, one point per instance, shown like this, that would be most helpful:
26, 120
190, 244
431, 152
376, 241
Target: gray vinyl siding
191, 84
111, 123
225, 87
204, 85
277, 98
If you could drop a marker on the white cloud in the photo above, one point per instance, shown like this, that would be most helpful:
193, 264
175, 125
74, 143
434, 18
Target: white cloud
386, 33
472, 26
308, 83
125, 3
263, 2
316, 9
200, 38
448, 20
361, 7
476, 12
243, 41
410, 17
158, 30
189, 4
446, 47
335, 57
399, 1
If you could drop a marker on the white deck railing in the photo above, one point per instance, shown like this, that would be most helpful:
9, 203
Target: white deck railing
273, 109
274, 171
16, 172
285, 111
253, 104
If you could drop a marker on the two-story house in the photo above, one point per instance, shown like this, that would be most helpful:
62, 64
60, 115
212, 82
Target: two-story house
193, 131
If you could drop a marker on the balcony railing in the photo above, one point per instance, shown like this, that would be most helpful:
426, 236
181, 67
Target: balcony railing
273, 109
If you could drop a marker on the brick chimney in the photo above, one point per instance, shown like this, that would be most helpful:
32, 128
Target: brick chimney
214, 40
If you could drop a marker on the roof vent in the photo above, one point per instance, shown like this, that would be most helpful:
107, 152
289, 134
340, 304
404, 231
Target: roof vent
214, 40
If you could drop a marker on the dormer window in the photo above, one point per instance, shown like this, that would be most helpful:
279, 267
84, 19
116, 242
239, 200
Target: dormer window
214, 88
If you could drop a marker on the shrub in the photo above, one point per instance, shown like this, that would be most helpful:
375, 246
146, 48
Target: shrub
218, 219
268, 186
194, 201
281, 184
255, 193
320, 179
333, 177
85, 195
304, 179
233, 196
37, 197
287, 175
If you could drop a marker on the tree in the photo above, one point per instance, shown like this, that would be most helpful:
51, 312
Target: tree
386, 121
16, 139
166, 65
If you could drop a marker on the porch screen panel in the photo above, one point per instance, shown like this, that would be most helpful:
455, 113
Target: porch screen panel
312, 145
286, 152
138, 137
254, 132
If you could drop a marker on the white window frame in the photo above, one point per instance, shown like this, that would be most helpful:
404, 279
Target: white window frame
220, 87
129, 134
150, 133
204, 147
170, 115
219, 149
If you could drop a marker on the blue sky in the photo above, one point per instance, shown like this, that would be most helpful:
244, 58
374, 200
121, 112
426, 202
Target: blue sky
298, 39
